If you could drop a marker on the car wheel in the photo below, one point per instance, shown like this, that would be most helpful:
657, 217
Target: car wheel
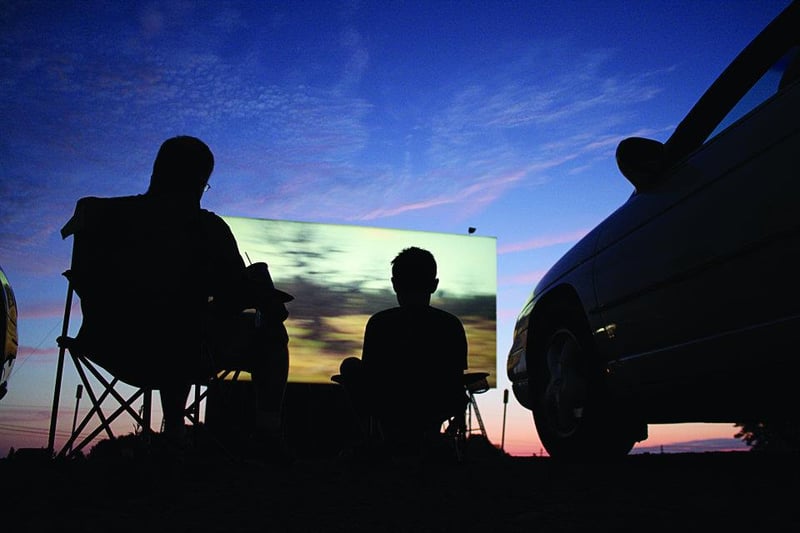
571, 412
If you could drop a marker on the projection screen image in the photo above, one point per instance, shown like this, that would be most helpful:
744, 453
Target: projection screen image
341, 274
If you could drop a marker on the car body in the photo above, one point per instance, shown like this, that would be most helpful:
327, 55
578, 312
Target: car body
8, 332
683, 305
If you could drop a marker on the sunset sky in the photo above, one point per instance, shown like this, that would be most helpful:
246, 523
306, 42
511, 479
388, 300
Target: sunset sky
419, 115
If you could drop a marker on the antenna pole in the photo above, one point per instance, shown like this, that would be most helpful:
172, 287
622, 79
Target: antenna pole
78, 394
505, 407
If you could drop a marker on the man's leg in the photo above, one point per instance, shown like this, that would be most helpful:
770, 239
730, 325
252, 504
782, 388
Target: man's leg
270, 374
269, 366
351, 371
173, 405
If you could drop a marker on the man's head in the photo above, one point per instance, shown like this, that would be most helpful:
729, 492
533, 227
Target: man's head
182, 167
414, 276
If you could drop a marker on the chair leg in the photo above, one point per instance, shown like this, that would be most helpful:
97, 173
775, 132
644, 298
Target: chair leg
147, 412
196, 410
89, 438
457, 431
474, 406
126, 404
104, 425
59, 371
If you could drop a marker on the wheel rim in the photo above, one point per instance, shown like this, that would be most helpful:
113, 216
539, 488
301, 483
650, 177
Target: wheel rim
566, 391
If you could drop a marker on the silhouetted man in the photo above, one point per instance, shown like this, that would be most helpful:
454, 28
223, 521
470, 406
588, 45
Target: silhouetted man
410, 375
180, 282
219, 289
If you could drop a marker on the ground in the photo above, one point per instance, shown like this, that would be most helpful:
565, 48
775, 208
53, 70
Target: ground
734, 491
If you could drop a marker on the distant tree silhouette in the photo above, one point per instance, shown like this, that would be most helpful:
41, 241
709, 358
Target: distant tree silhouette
772, 436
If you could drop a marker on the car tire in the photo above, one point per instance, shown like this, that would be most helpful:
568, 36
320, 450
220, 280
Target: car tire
571, 411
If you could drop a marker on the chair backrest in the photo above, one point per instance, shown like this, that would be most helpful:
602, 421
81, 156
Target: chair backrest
134, 267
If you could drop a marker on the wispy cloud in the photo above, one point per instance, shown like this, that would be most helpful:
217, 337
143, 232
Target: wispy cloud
541, 242
47, 309
537, 91
505, 314
476, 193
37, 351
526, 279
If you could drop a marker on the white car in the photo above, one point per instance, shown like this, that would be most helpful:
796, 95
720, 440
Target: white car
684, 304
8, 331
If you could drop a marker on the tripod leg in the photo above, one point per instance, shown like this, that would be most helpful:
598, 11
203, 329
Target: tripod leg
474, 405
457, 431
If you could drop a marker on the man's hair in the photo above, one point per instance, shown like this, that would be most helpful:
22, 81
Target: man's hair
414, 268
183, 165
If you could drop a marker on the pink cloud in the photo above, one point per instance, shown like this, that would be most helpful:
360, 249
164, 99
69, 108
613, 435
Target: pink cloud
482, 192
541, 242
507, 314
48, 309
526, 278
38, 351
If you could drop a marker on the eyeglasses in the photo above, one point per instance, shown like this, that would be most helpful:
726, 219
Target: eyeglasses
207, 187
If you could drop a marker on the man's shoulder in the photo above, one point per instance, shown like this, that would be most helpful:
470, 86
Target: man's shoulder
385, 314
441, 312
213, 223
428, 314
206, 213
444, 315
446, 318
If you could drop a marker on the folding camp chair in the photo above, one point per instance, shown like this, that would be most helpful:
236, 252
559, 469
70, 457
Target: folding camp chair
460, 427
126, 404
112, 271
457, 429
137, 404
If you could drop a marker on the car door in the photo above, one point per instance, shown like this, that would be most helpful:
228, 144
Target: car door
708, 254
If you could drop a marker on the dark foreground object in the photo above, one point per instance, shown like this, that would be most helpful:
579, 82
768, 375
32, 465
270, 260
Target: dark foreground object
737, 491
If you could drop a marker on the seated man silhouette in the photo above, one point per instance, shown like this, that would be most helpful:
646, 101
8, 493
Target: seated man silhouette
184, 287
410, 375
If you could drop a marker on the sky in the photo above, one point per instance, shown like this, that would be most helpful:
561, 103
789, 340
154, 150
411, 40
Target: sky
420, 115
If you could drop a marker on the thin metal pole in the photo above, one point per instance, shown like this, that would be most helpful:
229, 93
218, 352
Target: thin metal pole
78, 394
59, 370
505, 406
469, 419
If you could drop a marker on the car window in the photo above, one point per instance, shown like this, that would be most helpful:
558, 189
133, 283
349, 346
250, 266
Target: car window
760, 92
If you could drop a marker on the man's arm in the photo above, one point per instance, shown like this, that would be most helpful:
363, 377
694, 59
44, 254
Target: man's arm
229, 285
369, 347
457, 336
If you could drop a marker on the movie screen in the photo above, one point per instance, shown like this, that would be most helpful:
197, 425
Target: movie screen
341, 274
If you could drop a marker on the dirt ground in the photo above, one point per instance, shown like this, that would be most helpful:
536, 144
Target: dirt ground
734, 491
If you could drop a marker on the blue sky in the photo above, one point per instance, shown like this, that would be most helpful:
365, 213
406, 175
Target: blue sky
421, 115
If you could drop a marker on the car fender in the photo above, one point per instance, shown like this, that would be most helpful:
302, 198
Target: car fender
9, 341
565, 288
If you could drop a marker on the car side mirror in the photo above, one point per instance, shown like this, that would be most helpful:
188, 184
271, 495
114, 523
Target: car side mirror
641, 161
